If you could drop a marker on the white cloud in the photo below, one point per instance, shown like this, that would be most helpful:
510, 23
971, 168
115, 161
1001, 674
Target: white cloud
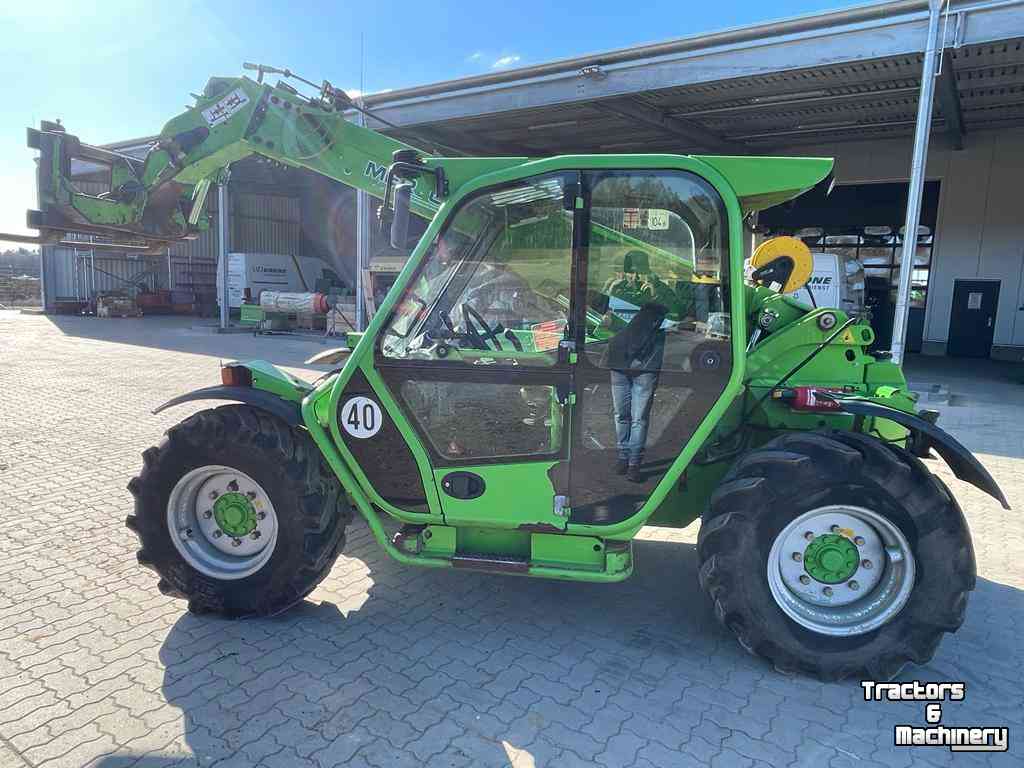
475, 56
505, 61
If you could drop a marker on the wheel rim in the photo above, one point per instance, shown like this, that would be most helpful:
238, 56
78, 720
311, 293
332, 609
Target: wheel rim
841, 570
222, 522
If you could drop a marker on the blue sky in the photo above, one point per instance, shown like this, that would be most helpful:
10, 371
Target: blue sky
121, 69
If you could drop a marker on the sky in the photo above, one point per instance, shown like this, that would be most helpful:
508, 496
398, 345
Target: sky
120, 69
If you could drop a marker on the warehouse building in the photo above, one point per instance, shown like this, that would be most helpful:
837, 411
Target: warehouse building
842, 84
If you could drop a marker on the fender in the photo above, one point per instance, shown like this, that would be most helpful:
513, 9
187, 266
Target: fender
266, 401
963, 463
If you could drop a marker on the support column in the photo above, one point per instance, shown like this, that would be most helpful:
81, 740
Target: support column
223, 230
916, 186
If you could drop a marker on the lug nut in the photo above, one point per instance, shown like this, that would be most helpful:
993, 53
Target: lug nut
827, 591
262, 515
853, 585
809, 535
834, 529
187, 533
251, 494
217, 534
208, 514
797, 557
256, 534
236, 542
859, 541
233, 485
805, 579
214, 494
867, 565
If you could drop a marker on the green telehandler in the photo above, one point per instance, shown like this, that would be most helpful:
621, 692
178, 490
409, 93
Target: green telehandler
571, 353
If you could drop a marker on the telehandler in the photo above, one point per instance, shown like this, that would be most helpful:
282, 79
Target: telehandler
571, 352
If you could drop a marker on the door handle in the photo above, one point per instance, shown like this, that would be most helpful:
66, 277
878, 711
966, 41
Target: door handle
566, 349
989, 323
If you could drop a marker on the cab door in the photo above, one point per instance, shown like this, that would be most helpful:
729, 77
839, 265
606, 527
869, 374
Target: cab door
652, 330
474, 355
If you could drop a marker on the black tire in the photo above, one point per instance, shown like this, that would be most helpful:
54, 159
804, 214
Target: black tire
792, 474
311, 508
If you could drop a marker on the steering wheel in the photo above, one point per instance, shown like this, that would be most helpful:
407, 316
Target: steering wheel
474, 325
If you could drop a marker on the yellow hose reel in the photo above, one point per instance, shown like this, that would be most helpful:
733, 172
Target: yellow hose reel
785, 247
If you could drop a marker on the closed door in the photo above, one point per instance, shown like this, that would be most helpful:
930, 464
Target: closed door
473, 356
972, 321
656, 350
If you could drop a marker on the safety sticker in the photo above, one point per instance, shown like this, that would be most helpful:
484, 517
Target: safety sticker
226, 107
361, 417
547, 335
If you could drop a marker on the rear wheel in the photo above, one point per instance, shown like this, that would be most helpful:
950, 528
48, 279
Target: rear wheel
836, 554
237, 512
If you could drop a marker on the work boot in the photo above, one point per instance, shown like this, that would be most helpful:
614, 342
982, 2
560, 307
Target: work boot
633, 473
622, 467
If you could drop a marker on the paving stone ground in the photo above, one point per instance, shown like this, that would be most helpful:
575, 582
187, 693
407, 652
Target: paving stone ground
392, 666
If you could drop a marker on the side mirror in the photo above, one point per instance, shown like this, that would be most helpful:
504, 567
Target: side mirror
400, 222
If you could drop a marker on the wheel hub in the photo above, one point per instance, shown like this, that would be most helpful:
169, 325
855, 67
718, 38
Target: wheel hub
841, 570
831, 558
235, 514
222, 522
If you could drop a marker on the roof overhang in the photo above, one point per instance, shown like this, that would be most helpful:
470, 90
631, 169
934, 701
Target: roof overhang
845, 75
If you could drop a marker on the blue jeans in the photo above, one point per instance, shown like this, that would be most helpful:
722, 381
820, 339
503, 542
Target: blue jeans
632, 395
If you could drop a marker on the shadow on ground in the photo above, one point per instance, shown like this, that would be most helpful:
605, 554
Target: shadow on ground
415, 667
196, 336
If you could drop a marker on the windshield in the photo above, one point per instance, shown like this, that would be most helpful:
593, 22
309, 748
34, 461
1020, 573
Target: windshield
495, 280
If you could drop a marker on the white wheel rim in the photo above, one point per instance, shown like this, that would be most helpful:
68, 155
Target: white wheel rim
207, 541
878, 589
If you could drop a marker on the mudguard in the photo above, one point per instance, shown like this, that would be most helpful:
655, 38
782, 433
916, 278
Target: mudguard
266, 401
963, 463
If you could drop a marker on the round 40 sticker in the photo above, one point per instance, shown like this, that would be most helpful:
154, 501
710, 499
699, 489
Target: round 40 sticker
361, 417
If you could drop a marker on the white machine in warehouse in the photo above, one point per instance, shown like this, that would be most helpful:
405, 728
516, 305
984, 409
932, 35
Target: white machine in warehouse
836, 281
828, 279
249, 274
280, 292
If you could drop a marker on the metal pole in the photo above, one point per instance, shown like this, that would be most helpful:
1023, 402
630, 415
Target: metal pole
363, 234
222, 236
916, 185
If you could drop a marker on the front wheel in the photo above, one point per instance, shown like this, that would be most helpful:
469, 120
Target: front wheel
836, 554
237, 513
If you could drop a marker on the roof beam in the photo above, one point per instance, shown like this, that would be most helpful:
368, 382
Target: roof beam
895, 30
949, 102
684, 129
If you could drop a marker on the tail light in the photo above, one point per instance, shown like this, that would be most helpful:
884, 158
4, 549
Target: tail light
236, 376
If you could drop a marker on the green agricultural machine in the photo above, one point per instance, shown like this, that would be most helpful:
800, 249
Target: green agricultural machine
571, 353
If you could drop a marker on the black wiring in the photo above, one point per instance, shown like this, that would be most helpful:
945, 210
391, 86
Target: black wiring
810, 293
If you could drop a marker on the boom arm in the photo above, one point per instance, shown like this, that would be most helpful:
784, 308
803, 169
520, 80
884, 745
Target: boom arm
160, 199
155, 201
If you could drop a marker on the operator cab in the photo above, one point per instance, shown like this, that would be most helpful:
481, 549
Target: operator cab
534, 313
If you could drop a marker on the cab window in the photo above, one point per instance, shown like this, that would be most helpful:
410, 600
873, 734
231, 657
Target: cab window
495, 283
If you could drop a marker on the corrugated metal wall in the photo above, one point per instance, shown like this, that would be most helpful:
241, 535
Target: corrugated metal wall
260, 223
265, 224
